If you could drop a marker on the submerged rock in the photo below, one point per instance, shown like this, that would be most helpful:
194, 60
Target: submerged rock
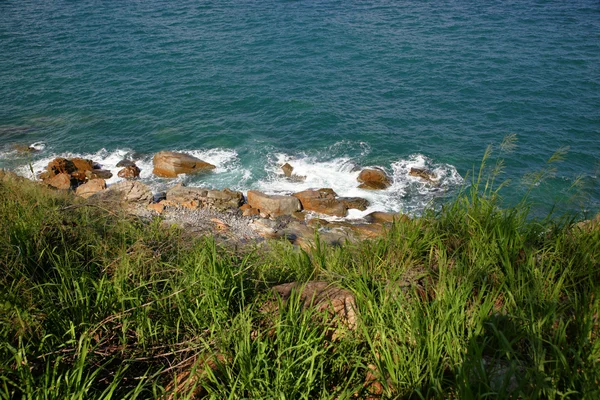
424, 174
322, 201
169, 164
287, 170
373, 179
274, 205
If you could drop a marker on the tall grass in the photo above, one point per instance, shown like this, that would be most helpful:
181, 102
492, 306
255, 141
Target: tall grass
471, 301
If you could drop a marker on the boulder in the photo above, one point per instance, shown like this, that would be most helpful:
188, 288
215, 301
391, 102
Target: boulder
129, 172
127, 193
287, 170
82, 164
88, 189
322, 201
273, 205
373, 179
59, 166
60, 181
125, 163
9, 176
338, 304
192, 197
98, 174
357, 203
250, 212
169, 164
156, 207
424, 174
380, 217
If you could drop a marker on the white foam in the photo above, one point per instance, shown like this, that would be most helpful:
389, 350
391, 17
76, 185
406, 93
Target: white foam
406, 194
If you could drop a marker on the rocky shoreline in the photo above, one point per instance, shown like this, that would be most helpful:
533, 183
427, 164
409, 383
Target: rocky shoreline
228, 214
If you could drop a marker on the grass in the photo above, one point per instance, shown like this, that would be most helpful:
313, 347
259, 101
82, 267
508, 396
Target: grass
470, 301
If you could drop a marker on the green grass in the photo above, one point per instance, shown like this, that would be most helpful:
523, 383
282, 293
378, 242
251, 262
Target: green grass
471, 301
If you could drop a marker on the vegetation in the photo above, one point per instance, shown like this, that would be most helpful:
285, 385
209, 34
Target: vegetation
471, 301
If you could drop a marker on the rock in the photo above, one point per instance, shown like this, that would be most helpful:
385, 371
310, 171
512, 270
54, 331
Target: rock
98, 174
424, 174
9, 176
24, 148
82, 164
273, 205
88, 189
373, 179
322, 201
125, 163
59, 166
60, 181
385, 217
169, 164
156, 207
337, 303
357, 203
250, 212
129, 172
287, 170
220, 225
126, 193
191, 197
158, 197
266, 228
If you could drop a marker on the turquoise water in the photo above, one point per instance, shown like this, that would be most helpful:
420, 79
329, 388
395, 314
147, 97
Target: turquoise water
329, 86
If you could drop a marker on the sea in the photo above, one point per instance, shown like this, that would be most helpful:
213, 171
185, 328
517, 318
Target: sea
327, 86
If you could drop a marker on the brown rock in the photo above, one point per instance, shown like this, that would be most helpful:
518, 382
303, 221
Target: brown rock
82, 164
272, 204
357, 203
385, 217
250, 212
98, 174
129, 172
126, 193
60, 181
168, 164
90, 188
192, 197
9, 176
59, 166
245, 207
322, 201
338, 303
424, 174
373, 179
287, 169
157, 207
125, 163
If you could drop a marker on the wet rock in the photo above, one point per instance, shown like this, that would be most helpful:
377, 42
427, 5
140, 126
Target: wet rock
373, 179
169, 164
357, 203
191, 197
129, 172
424, 174
98, 174
385, 217
273, 205
336, 303
287, 170
90, 188
322, 201
125, 163
24, 148
60, 181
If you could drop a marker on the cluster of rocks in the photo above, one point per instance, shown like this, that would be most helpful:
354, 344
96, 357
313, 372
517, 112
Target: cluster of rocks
268, 216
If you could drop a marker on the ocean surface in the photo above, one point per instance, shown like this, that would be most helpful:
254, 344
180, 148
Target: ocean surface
328, 86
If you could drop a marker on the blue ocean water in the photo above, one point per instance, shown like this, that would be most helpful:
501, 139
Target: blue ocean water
329, 86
